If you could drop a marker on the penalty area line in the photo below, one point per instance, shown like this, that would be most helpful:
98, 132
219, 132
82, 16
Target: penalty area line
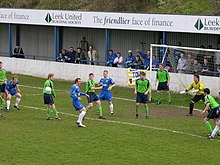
118, 98
124, 123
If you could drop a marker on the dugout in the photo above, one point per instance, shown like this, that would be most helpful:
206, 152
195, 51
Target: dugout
43, 33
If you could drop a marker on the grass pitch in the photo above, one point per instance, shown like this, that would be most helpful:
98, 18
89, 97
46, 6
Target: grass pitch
166, 137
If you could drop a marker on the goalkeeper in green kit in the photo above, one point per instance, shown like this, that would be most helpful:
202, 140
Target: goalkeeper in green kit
3, 81
141, 91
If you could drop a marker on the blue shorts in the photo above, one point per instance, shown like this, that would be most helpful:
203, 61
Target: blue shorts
77, 105
162, 86
213, 113
105, 95
13, 92
48, 99
92, 97
2, 88
141, 98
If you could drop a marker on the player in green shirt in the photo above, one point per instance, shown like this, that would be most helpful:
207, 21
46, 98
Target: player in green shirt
163, 78
49, 93
141, 90
3, 82
90, 85
213, 106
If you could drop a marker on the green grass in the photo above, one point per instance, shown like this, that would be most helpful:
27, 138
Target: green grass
28, 138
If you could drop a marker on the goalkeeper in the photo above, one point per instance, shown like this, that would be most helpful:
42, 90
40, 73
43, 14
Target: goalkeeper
198, 87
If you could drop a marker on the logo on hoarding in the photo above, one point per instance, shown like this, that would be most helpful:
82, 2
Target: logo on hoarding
48, 18
64, 18
199, 25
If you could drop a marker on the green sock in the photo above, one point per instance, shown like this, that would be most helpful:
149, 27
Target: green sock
147, 110
0, 102
137, 110
100, 110
56, 113
158, 97
48, 112
169, 97
208, 125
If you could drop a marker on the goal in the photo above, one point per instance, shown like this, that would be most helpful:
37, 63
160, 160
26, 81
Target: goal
187, 60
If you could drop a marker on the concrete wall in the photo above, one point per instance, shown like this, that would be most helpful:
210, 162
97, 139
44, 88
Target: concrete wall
71, 71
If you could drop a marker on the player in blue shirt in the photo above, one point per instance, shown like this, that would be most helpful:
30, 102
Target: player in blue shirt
11, 89
106, 84
75, 95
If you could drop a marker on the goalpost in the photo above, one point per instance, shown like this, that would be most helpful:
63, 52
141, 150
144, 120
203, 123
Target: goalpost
203, 61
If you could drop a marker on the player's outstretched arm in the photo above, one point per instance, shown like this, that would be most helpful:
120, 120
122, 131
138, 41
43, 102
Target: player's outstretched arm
112, 86
206, 108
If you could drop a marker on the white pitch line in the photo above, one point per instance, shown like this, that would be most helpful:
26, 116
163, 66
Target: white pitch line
118, 98
124, 123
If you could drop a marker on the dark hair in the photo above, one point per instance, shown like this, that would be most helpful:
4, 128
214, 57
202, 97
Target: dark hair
79, 48
77, 79
0, 62
71, 47
207, 90
118, 53
111, 50
197, 76
161, 64
142, 73
138, 56
50, 75
91, 74
106, 71
154, 56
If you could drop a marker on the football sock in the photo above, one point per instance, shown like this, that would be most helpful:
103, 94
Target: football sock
191, 106
169, 97
8, 104
55, 113
208, 125
214, 132
0, 102
100, 110
81, 116
17, 101
111, 108
48, 112
137, 109
147, 110
158, 97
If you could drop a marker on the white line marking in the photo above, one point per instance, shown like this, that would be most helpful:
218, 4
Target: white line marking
118, 98
124, 123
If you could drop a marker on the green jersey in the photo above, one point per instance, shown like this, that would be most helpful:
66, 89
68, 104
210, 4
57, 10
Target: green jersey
2, 76
142, 85
49, 83
211, 100
163, 75
90, 84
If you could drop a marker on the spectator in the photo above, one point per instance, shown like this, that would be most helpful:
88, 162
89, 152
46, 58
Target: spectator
62, 56
146, 58
93, 56
201, 54
129, 59
138, 63
71, 55
189, 63
155, 63
196, 66
84, 45
181, 67
80, 56
111, 58
176, 54
205, 67
18, 52
218, 71
217, 57
118, 61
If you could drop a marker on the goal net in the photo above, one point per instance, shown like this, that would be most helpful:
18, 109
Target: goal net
187, 60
